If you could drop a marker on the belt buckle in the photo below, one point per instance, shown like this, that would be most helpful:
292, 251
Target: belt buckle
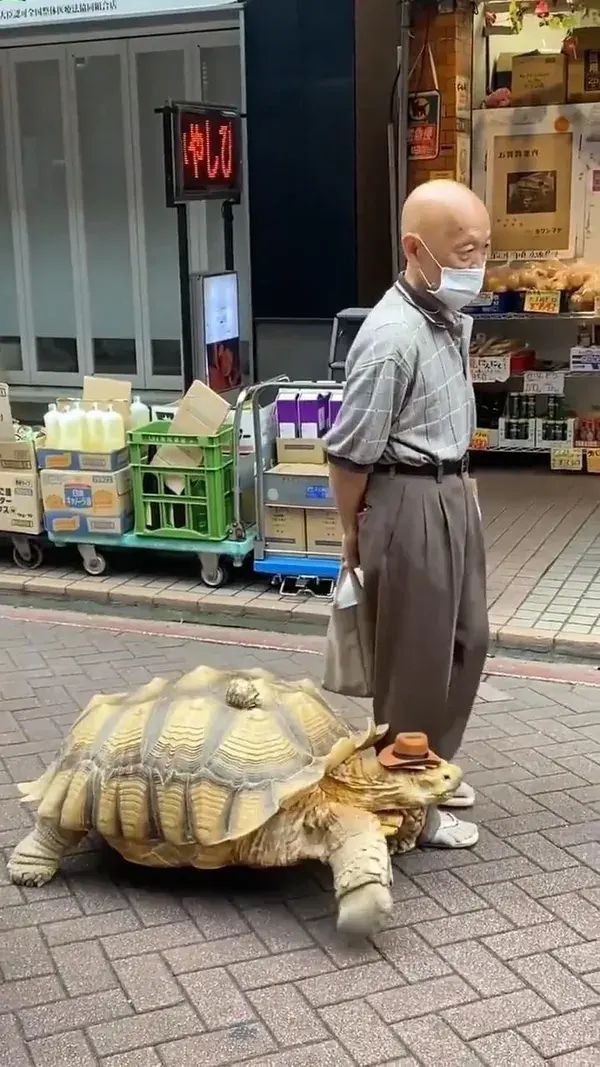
439, 474
464, 464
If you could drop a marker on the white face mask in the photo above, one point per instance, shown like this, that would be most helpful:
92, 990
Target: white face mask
458, 285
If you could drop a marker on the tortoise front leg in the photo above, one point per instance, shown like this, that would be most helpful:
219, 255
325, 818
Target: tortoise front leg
36, 859
362, 872
350, 839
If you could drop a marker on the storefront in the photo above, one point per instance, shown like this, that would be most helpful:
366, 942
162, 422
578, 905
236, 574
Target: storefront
88, 249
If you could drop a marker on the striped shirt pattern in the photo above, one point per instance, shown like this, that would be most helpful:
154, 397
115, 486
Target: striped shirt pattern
408, 396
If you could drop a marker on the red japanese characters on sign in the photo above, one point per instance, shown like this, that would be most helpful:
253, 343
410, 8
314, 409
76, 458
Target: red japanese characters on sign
207, 153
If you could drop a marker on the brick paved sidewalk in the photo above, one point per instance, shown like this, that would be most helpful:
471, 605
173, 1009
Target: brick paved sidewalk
491, 957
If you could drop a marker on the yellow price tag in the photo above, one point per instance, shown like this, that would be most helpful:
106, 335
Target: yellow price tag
542, 303
593, 460
480, 440
566, 459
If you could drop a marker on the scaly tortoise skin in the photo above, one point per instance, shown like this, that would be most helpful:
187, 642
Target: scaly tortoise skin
231, 768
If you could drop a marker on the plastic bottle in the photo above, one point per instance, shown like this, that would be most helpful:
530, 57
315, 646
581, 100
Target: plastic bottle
94, 430
73, 423
52, 425
140, 413
79, 427
114, 430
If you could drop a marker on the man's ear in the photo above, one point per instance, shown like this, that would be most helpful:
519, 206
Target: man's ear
410, 244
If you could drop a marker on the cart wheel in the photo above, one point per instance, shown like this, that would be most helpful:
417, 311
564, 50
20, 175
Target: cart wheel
216, 576
94, 564
28, 563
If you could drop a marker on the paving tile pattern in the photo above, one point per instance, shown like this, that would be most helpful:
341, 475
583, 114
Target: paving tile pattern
490, 957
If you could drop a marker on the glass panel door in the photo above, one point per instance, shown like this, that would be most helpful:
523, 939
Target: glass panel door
49, 234
11, 341
158, 73
104, 166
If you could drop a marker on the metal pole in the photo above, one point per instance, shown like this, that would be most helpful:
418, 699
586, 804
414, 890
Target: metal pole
185, 296
227, 216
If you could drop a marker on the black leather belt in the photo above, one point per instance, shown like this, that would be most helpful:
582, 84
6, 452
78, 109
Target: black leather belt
431, 470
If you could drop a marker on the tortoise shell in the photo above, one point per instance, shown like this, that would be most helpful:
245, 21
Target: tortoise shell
207, 759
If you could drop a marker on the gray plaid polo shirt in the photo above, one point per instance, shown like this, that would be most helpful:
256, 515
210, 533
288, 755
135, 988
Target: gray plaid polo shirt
408, 396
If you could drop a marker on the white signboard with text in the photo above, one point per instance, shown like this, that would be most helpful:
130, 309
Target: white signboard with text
15, 13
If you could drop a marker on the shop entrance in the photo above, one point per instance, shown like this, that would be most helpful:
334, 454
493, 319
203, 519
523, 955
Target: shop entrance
88, 250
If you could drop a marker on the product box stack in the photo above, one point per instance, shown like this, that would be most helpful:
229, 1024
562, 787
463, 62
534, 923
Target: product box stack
84, 461
300, 517
20, 503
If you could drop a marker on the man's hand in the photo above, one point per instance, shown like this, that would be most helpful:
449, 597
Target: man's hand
350, 550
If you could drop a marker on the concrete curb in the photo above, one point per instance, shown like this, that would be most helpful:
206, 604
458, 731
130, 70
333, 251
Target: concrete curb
541, 670
249, 610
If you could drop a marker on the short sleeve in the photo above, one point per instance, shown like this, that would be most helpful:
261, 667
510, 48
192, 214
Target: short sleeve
373, 395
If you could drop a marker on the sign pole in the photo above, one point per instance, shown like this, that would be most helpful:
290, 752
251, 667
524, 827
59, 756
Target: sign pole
183, 249
202, 161
185, 296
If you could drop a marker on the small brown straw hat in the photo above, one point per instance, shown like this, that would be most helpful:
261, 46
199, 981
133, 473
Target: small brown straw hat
409, 752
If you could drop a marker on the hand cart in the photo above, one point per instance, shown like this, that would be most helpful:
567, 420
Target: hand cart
311, 574
346, 325
218, 558
28, 550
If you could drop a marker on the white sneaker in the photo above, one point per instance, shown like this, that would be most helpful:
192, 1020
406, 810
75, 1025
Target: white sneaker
443, 830
464, 797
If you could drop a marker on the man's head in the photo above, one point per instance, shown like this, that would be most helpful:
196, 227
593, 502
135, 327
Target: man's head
444, 225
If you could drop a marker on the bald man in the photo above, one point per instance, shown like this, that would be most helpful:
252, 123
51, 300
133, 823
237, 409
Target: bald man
398, 457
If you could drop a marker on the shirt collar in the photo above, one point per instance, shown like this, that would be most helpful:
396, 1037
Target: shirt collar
428, 305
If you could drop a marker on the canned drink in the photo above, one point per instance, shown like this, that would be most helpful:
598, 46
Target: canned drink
531, 407
552, 406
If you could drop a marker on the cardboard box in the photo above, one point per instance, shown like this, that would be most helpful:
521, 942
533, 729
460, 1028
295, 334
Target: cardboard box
73, 522
313, 411
539, 79
545, 430
7, 432
18, 456
87, 492
20, 504
115, 392
323, 533
201, 412
335, 403
583, 73
58, 459
285, 529
287, 413
301, 485
300, 450
527, 434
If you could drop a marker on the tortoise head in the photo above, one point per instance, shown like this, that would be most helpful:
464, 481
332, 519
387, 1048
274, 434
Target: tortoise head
364, 781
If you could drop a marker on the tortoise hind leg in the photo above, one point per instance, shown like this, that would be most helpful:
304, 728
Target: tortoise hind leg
36, 859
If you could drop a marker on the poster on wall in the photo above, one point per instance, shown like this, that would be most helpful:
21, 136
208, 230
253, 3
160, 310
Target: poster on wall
424, 112
463, 158
529, 186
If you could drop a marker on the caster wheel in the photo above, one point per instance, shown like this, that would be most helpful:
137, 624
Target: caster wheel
25, 563
217, 576
95, 565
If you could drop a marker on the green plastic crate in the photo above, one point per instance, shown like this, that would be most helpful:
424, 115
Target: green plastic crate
204, 509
